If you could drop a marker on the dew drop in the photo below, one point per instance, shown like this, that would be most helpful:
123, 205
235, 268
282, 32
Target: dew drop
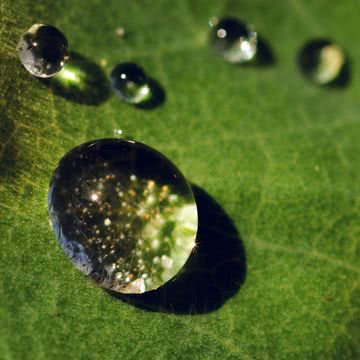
43, 50
324, 63
131, 83
120, 32
118, 132
121, 240
235, 41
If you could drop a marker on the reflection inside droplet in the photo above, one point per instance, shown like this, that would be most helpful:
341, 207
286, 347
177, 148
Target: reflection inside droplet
233, 39
43, 50
130, 82
324, 62
123, 213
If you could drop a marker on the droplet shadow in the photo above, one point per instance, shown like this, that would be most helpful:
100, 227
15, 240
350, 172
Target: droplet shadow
81, 81
214, 272
308, 60
157, 98
264, 54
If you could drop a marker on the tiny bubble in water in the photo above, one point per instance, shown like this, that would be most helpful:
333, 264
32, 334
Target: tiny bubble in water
43, 50
235, 41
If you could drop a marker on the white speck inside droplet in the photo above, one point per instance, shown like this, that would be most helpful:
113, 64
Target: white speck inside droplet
107, 222
135, 287
151, 199
246, 47
145, 90
166, 262
221, 33
155, 243
94, 197
173, 197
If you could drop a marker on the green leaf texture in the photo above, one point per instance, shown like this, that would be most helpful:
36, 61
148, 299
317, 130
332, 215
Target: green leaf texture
280, 155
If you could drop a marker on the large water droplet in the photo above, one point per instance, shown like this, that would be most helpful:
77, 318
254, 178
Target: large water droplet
324, 63
43, 50
123, 213
233, 39
132, 84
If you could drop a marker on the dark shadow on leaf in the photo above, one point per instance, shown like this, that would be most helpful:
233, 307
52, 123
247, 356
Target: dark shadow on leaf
309, 57
265, 55
157, 96
81, 81
213, 273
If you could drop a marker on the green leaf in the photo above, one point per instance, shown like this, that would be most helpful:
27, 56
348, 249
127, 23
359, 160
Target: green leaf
280, 155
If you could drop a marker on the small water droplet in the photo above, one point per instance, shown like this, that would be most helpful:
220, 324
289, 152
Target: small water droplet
213, 21
43, 50
120, 32
324, 62
103, 62
121, 240
131, 83
118, 132
233, 39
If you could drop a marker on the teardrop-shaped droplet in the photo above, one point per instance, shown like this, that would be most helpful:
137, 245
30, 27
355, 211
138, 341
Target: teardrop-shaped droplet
233, 39
43, 50
324, 62
123, 213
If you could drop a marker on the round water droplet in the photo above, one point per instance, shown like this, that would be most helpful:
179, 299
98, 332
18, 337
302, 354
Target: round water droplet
233, 39
120, 32
130, 83
43, 50
123, 213
323, 62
